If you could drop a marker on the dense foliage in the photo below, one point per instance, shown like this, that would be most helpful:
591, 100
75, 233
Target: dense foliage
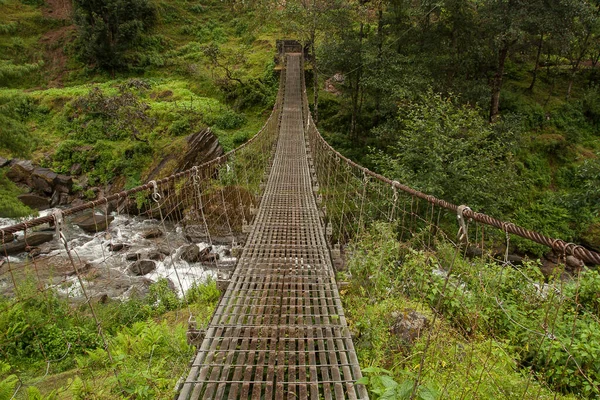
536, 332
109, 30
419, 83
139, 355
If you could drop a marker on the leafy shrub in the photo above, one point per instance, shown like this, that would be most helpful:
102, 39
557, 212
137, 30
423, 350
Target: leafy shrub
230, 120
15, 136
204, 293
591, 104
382, 386
8, 383
163, 297
180, 127
10, 206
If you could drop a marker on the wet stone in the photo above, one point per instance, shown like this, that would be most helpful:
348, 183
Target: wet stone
142, 267
152, 233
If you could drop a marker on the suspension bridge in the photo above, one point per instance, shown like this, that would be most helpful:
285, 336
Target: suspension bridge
279, 330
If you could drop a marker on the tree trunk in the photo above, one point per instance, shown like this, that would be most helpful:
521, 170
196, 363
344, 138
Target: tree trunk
379, 59
497, 83
537, 62
577, 63
356, 88
315, 79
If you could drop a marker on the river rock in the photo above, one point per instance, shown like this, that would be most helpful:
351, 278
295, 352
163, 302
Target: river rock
142, 267
155, 255
163, 249
42, 180
210, 258
195, 233
409, 325
81, 269
34, 201
133, 256
190, 253
20, 171
33, 239
92, 223
118, 246
152, 233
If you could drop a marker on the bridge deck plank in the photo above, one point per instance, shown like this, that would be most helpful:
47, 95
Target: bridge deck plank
279, 331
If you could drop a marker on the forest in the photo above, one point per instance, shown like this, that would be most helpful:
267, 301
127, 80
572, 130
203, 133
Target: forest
490, 103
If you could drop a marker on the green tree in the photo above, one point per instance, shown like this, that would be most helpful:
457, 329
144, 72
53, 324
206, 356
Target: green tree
311, 21
450, 151
109, 29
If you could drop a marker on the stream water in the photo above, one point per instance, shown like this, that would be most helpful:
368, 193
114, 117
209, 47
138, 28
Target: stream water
111, 275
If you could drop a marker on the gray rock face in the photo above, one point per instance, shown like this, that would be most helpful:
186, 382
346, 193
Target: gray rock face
92, 223
32, 239
20, 171
202, 147
42, 180
409, 325
34, 201
142, 267
63, 183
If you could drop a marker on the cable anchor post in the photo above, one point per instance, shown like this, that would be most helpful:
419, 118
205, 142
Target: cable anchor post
463, 234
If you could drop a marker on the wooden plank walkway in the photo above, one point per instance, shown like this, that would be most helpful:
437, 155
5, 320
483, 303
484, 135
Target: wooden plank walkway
279, 331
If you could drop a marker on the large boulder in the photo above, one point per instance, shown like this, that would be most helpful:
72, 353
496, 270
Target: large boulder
34, 201
409, 325
42, 180
20, 171
63, 183
202, 147
195, 233
4, 162
32, 239
142, 267
190, 253
92, 223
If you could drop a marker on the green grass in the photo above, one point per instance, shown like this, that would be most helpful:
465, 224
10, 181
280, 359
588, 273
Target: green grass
188, 92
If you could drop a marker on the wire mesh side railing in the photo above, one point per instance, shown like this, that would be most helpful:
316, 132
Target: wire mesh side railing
458, 270
78, 286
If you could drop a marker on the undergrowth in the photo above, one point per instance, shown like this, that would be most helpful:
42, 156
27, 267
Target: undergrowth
494, 330
52, 348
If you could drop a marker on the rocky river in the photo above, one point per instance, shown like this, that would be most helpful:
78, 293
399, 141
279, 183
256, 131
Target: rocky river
126, 258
